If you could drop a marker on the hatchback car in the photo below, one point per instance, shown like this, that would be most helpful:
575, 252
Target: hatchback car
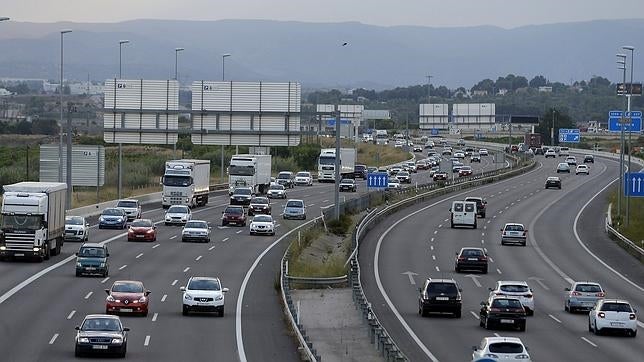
259, 205
514, 233
127, 296
418, 148
233, 215
304, 178
517, 289
589, 159
571, 160
203, 294
612, 315
501, 349
440, 296
563, 167
92, 259
553, 181
471, 259
394, 170
582, 169
475, 157
582, 296
142, 229
550, 153
294, 209
502, 311
440, 176
196, 230
262, 224
480, 205
286, 179
132, 208
393, 183
112, 218
241, 196
404, 177
483, 152
76, 228
276, 192
101, 334
465, 171
410, 166
177, 215
347, 184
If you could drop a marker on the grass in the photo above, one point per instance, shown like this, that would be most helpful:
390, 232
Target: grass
370, 154
634, 231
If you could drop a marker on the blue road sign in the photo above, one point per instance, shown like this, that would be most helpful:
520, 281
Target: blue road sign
434, 131
634, 184
377, 180
570, 135
635, 124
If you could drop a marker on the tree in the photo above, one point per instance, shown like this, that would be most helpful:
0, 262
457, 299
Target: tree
519, 82
538, 81
561, 120
485, 85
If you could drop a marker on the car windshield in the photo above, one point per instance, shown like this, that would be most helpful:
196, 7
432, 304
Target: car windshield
563, 165
466, 168
101, 324
346, 181
553, 179
262, 218
472, 252
403, 173
141, 223
90, 252
171, 180
513, 228
128, 204
235, 170
259, 200
127, 287
327, 160
295, 204
506, 347
616, 307
303, 174
513, 288
284, 176
196, 225
112, 212
74, 220
276, 187
444, 288
178, 210
234, 210
588, 288
204, 284
506, 303
22, 222
245, 192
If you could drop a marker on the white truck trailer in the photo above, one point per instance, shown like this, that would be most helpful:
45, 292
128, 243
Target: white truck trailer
326, 164
252, 171
33, 220
186, 182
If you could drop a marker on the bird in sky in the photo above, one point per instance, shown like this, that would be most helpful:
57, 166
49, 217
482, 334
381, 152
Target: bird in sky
345, 44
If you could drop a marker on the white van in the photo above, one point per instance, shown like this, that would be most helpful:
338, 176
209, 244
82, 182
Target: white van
463, 214
564, 151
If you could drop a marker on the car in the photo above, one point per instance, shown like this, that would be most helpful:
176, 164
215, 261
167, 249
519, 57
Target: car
430, 144
76, 229
463, 213
501, 349
101, 333
372, 169
563, 167
243, 195
564, 152
433, 171
471, 259
480, 205
262, 224
612, 315
517, 289
583, 296
440, 296
294, 209
393, 171
196, 230
259, 205
469, 151
459, 155
514, 233
360, 171
233, 215
398, 144
461, 142
203, 294
142, 229
440, 176
465, 171
92, 259
553, 181
411, 166
177, 215
500, 311
303, 178
131, 207
127, 296
404, 177
421, 164
475, 157
276, 192
582, 169
538, 151
550, 153
418, 148
484, 152
347, 184
112, 218
446, 152
589, 159
571, 160
286, 179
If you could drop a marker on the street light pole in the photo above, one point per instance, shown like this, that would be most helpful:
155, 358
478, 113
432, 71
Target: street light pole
120, 167
630, 131
622, 66
176, 77
223, 78
68, 199
337, 165
552, 129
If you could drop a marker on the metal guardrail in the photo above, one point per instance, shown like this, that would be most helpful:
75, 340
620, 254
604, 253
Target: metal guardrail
318, 282
630, 247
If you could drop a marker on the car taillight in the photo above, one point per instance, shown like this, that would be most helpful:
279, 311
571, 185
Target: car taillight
483, 258
575, 293
600, 294
461, 258
495, 310
631, 316
601, 315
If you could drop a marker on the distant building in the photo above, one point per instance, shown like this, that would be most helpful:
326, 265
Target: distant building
502, 92
478, 93
4, 92
545, 89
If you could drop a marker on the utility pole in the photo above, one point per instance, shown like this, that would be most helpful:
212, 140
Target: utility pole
630, 131
337, 164
552, 129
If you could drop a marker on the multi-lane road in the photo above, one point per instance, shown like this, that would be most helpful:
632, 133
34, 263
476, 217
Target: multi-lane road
565, 243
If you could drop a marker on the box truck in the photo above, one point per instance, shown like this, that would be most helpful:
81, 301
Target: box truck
185, 182
252, 171
326, 164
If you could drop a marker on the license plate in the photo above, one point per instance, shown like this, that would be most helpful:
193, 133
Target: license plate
19, 254
126, 310
140, 236
472, 259
99, 346
90, 268
616, 324
442, 298
508, 321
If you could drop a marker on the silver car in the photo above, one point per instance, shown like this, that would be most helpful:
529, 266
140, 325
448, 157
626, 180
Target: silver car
295, 209
131, 207
582, 296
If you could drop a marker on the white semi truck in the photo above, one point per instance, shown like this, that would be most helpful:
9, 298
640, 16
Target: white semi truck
252, 171
326, 164
185, 182
33, 220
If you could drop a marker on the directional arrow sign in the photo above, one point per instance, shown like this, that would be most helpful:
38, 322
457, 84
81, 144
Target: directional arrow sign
634, 184
410, 274
377, 180
571, 135
475, 279
633, 121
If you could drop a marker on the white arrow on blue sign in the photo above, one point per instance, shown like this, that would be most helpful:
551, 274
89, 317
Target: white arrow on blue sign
377, 180
633, 184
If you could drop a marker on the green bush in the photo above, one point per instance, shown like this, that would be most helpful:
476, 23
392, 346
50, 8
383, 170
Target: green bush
340, 226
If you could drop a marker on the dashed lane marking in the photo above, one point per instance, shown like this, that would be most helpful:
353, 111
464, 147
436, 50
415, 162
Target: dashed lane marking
186, 269
164, 297
147, 341
240, 231
174, 282
198, 258
173, 237
555, 318
224, 239
155, 246
123, 267
154, 317
104, 280
71, 314
437, 269
589, 342
138, 256
433, 257
212, 247
498, 270
88, 295
53, 339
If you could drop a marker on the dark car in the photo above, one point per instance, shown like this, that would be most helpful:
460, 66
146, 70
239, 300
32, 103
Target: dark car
347, 184
441, 296
286, 179
539, 151
101, 333
589, 159
480, 205
112, 218
127, 296
471, 259
233, 215
241, 196
142, 229
360, 171
259, 205
553, 181
91, 259
502, 311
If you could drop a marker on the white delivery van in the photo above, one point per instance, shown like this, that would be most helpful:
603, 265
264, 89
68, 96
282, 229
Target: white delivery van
463, 214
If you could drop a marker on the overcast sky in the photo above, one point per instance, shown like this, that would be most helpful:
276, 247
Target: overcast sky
435, 13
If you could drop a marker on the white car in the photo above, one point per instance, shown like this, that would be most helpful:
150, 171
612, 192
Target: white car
262, 224
304, 178
398, 144
571, 160
582, 169
76, 229
612, 314
518, 289
276, 191
514, 233
131, 207
196, 230
411, 166
393, 183
550, 153
484, 152
501, 349
203, 294
459, 154
178, 214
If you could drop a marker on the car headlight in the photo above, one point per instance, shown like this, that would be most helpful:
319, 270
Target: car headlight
102, 265
80, 232
78, 264
117, 340
101, 219
119, 219
143, 299
150, 231
110, 298
220, 297
522, 356
187, 296
83, 340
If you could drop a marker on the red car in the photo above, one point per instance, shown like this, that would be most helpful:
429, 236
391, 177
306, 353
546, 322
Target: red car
465, 171
233, 215
127, 296
142, 229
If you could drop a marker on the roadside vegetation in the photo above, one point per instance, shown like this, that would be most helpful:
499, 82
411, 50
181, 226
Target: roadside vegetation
370, 154
634, 231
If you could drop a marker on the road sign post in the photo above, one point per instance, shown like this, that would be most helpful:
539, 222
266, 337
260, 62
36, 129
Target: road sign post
634, 184
377, 180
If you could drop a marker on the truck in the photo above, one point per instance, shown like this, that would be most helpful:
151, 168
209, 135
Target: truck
33, 220
252, 171
185, 182
532, 140
326, 164
380, 137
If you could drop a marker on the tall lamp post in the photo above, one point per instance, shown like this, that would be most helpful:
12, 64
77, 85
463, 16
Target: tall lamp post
60, 126
176, 77
223, 78
629, 95
622, 66
120, 168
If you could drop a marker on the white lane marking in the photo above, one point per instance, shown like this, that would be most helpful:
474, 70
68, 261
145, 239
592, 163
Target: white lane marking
475, 315
174, 282
482, 234
496, 334
484, 227
173, 237
493, 216
155, 246
311, 205
431, 247
437, 269
71, 314
589, 342
198, 258
224, 239
138, 256
440, 226
446, 220
104, 280
435, 232
123, 267
147, 341
154, 317
500, 211
240, 231
489, 221
277, 225
431, 240
212, 247
164, 297
482, 241
186, 269
88, 295
555, 318
498, 270
433, 257
491, 260
325, 201
507, 207
53, 339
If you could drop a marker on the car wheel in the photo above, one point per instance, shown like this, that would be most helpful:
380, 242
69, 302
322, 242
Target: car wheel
484, 270
223, 223
252, 233
633, 334
77, 352
244, 224
567, 309
451, 224
123, 352
523, 244
529, 312
78, 273
107, 272
487, 325
522, 327
221, 312
165, 223
185, 310
145, 314
457, 314
590, 328
474, 226
483, 216
457, 269
481, 323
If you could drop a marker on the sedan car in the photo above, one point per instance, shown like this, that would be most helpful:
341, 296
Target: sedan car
484, 152
501, 349
262, 224
446, 152
550, 153
196, 230
304, 178
203, 294
459, 155
294, 209
517, 289
571, 160
465, 171
142, 229
582, 169
91, 259
101, 333
582, 296
394, 170
178, 215
393, 183
502, 311
132, 208
471, 259
347, 184
404, 177
589, 159
514, 233
418, 148
440, 176
422, 165
612, 315
553, 181
242, 196
76, 228
475, 157
276, 192
112, 218
233, 215
127, 296
259, 205
563, 167
411, 166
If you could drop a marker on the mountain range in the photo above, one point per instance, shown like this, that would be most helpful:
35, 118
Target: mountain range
375, 57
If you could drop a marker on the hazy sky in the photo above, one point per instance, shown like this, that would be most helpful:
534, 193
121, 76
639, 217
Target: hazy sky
439, 13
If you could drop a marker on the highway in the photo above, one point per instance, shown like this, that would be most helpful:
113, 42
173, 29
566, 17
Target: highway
42, 302
564, 244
